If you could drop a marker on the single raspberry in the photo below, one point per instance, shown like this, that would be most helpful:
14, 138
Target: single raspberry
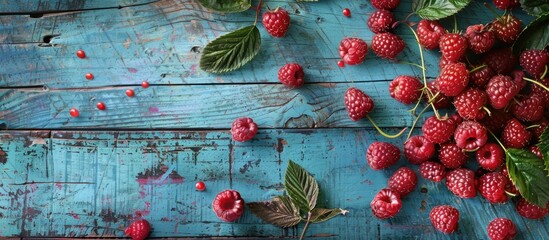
490, 156
510, 188
276, 22
515, 134
481, 77
534, 61
444, 218
501, 229
538, 128
528, 108
243, 129
386, 203
291, 75
443, 62
432, 171
228, 205
403, 181
461, 182
353, 50
531, 211
501, 90
492, 187
138, 230
452, 46
451, 156
381, 21
387, 45
418, 149
382, 155
470, 102
470, 135
453, 79
501, 60
358, 103
385, 4
506, 28
429, 33
506, 4
438, 99
405, 89
544, 94
536, 151
438, 130
497, 120
480, 39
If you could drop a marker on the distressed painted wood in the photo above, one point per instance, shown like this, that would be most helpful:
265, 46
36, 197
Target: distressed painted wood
21, 7
81, 184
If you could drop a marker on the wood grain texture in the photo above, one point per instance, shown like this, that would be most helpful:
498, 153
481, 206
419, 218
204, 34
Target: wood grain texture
21, 7
81, 184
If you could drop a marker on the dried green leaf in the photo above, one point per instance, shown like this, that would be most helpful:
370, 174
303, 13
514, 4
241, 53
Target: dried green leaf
301, 187
437, 9
323, 214
227, 6
280, 211
533, 36
535, 7
527, 172
544, 147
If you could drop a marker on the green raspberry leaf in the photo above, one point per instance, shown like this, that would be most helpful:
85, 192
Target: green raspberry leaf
535, 7
231, 51
226, 6
533, 36
527, 172
437, 9
281, 211
544, 147
322, 214
301, 187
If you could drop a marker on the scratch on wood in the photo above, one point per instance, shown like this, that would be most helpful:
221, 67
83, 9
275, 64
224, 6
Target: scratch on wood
3, 156
231, 157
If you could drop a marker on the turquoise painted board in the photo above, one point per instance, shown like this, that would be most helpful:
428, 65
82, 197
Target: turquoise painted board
21, 7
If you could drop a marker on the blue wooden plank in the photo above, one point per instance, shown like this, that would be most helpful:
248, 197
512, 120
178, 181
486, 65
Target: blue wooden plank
26, 6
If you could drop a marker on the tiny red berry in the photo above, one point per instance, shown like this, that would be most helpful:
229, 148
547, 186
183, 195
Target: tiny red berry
74, 112
101, 106
144, 84
346, 12
130, 93
200, 186
89, 76
81, 54
138, 230
341, 63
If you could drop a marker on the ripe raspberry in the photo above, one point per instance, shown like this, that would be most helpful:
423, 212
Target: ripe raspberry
453, 79
470, 135
385, 4
506, 4
243, 129
438, 130
276, 22
403, 181
138, 230
444, 218
429, 33
515, 134
387, 45
492, 187
381, 21
228, 205
506, 28
497, 120
353, 50
470, 102
531, 211
418, 149
432, 171
538, 128
501, 229
534, 61
386, 203
528, 108
291, 75
405, 89
451, 156
358, 104
481, 77
461, 182
490, 156
452, 46
536, 151
501, 60
440, 100
501, 90
480, 39
382, 155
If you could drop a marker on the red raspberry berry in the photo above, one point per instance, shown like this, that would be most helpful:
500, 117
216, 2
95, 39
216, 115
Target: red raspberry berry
358, 103
461, 182
501, 229
353, 50
506, 28
138, 230
453, 79
81, 54
444, 218
528, 108
74, 112
515, 134
470, 135
470, 102
276, 22
534, 61
480, 39
432, 171
429, 33
386, 204
200, 186
228, 205
502, 60
506, 4
452, 46
501, 90
387, 45
243, 129
403, 181
451, 156
101, 106
481, 77
492, 187
385, 4
382, 155
291, 75
381, 21
438, 130
418, 149
440, 100
490, 156
405, 89
531, 211
346, 12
